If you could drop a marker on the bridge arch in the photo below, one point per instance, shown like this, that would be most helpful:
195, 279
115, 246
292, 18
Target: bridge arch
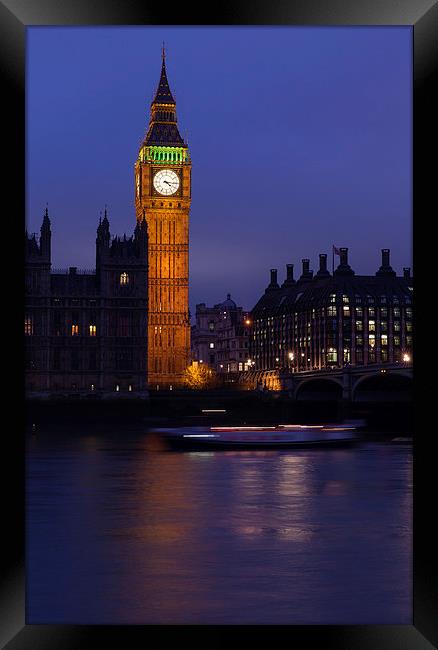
383, 387
319, 389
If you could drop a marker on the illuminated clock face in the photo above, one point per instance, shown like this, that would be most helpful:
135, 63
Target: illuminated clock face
166, 182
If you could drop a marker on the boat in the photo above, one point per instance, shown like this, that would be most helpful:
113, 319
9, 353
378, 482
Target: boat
282, 436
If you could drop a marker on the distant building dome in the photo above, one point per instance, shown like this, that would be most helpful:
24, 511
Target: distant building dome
228, 303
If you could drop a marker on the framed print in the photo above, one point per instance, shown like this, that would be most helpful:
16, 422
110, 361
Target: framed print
181, 310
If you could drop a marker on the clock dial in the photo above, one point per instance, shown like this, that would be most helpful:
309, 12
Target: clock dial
166, 182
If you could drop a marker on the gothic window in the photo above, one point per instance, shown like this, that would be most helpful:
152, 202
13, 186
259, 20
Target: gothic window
56, 359
74, 360
74, 329
92, 329
124, 325
124, 278
28, 326
92, 360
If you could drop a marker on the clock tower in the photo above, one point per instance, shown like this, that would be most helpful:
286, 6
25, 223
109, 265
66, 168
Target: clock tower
162, 195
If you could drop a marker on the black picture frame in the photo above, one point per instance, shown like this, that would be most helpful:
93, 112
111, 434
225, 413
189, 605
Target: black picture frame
422, 15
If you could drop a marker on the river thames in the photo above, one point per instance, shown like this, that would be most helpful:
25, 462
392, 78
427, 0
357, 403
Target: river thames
121, 530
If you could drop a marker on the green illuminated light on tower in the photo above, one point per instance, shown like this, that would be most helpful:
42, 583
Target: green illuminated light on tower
168, 155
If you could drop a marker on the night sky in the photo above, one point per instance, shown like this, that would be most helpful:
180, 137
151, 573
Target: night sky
300, 139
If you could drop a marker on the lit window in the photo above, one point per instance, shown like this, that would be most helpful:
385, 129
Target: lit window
92, 330
130, 387
384, 339
345, 299
332, 297
124, 278
28, 326
396, 312
92, 387
117, 388
359, 325
211, 326
211, 345
396, 340
396, 326
332, 355
74, 330
331, 311
372, 341
371, 325
346, 310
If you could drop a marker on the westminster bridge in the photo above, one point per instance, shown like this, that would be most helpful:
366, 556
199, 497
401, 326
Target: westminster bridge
377, 382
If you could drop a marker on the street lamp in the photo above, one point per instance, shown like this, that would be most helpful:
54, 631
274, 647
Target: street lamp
406, 358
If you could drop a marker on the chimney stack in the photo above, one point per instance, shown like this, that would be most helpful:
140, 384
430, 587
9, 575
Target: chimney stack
273, 284
289, 276
306, 274
385, 269
344, 268
344, 256
323, 265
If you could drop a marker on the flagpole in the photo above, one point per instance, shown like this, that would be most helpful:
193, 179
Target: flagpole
333, 259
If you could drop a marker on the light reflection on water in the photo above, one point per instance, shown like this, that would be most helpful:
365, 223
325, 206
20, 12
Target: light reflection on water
121, 530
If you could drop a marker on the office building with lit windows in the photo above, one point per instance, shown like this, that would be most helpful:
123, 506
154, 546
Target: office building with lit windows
333, 320
86, 331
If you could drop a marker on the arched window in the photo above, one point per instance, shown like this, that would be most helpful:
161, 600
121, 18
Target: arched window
124, 278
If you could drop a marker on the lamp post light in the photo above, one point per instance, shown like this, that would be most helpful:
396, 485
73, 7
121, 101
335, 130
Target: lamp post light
406, 357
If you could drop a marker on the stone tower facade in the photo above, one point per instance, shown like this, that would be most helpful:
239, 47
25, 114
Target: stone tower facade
162, 196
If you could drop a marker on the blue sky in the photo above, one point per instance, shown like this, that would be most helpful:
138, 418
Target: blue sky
300, 138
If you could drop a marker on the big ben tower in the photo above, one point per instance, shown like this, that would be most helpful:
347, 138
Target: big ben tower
162, 194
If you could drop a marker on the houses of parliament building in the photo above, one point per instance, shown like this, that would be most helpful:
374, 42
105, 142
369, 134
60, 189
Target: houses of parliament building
124, 326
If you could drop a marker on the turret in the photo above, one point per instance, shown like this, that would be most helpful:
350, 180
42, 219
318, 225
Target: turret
46, 235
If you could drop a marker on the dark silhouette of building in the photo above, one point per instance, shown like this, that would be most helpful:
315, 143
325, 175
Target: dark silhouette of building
324, 320
86, 331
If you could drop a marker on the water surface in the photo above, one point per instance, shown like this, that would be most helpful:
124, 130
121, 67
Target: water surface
122, 530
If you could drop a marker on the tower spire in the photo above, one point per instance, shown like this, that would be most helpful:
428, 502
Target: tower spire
163, 94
